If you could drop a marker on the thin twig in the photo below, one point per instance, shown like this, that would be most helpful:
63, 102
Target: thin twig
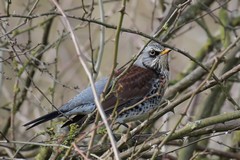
102, 39
36, 144
96, 98
96, 67
79, 151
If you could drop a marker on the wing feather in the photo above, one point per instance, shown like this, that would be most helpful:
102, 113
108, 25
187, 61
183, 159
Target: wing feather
130, 88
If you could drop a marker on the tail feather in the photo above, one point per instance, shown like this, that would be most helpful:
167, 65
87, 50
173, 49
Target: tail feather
42, 119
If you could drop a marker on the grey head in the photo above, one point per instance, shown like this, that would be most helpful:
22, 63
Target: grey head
155, 57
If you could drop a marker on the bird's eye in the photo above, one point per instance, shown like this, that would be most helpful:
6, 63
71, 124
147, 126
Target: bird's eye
153, 53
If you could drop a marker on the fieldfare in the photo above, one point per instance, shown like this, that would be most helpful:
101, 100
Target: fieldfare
135, 94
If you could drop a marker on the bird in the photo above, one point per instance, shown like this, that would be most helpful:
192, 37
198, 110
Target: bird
132, 95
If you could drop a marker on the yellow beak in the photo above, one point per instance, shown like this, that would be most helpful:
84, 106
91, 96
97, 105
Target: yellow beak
165, 51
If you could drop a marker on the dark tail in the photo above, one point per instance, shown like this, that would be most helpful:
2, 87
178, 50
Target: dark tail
42, 119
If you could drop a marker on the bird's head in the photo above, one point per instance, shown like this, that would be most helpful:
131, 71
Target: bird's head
154, 57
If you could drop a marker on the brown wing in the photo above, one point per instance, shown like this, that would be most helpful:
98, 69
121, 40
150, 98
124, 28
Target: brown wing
130, 88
